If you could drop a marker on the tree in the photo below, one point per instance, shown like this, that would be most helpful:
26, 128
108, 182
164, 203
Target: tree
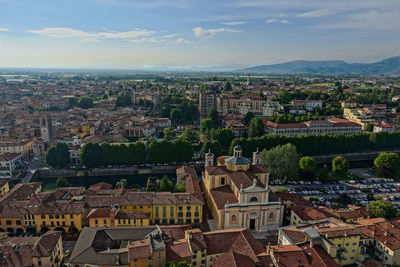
388, 164
370, 127
323, 173
181, 188
123, 100
168, 133
213, 115
61, 182
228, 86
340, 165
248, 117
121, 183
85, 102
282, 161
256, 128
206, 125
225, 137
307, 164
379, 208
190, 135
211, 145
57, 156
166, 185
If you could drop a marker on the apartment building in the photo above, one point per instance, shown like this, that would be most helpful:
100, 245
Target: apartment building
328, 126
308, 105
249, 103
9, 162
23, 147
358, 116
44, 250
207, 102
340, 240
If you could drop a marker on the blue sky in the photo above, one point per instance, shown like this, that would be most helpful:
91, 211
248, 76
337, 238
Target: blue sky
179, 33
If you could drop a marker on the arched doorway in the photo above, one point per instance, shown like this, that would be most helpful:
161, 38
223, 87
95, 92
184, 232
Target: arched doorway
10, 231
19, 231
44, 230
31, 230
73, 230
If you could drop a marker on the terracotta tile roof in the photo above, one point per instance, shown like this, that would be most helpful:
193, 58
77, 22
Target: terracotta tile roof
223, 195
140, 249
178, 250
308, 213
233, 259
99, 213
101, 185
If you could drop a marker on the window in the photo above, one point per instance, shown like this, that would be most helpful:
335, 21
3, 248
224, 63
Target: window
172, 211
196, 214
253, 199
180, 214
8, 222
271, 215
233, 218
222, 180
188, 214
18, 222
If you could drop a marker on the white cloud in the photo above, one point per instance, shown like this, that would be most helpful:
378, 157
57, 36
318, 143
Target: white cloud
271, 21
59, 32
147, 40
182, 41
233, 23
4, 30
317, 13
206, 33
172, 35
281, 21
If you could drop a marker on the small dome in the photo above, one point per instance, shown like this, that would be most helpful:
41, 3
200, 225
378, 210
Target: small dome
209, 154
237, 148
257, 152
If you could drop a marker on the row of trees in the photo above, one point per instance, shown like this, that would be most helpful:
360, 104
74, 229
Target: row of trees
322, 144
284, 162
104, 154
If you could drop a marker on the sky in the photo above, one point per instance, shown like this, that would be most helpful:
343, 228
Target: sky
130, 34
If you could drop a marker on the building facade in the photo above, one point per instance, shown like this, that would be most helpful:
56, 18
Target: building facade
236, 190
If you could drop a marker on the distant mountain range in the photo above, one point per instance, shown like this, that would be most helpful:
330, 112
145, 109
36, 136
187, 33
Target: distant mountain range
386, 66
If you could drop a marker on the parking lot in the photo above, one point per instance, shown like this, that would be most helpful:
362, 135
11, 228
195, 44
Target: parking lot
329, 192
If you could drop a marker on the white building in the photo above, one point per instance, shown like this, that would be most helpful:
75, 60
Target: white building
9, 162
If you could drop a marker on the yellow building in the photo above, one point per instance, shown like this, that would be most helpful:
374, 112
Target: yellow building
59, 216
23, 147
144, 208
358, 116
237, 193
107, 217
340, 240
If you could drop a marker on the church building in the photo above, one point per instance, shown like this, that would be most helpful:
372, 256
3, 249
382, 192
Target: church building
236, 191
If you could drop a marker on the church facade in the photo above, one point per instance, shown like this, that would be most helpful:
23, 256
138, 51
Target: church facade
236, 191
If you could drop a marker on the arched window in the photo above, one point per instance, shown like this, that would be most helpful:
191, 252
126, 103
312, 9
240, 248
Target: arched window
233, 218
222, 180
253, 199
271, 215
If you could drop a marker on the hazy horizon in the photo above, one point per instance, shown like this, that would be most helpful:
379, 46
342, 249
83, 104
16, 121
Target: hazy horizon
132, 34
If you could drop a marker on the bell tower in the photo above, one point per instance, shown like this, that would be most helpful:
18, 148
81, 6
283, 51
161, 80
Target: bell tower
257, 157
209, 159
